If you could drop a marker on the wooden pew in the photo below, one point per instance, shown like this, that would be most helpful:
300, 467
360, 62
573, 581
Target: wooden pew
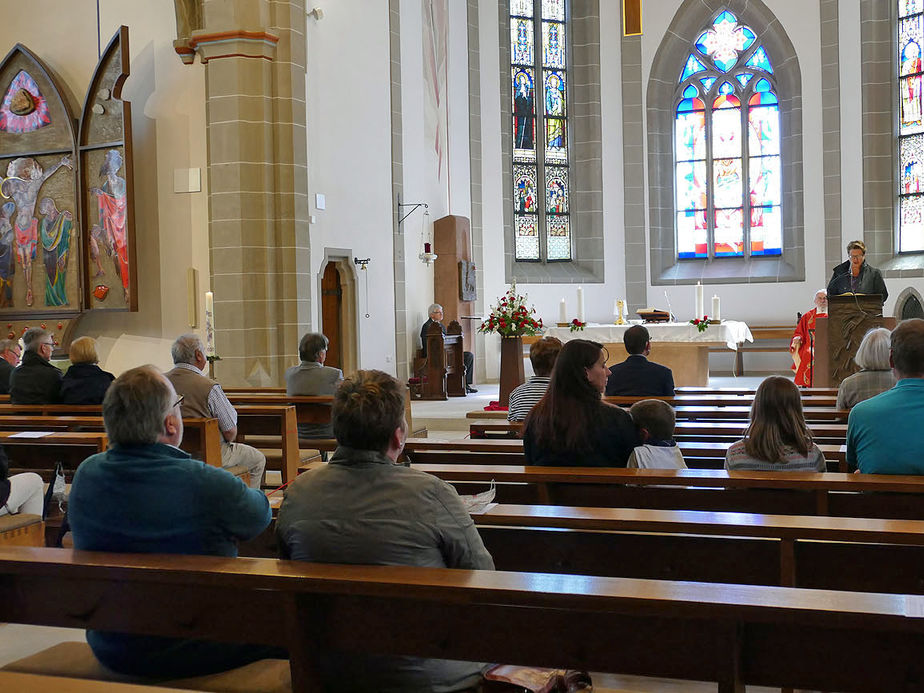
730, 634
273, 420
697, 390
867, 555
787, 493
725, 413
41, 454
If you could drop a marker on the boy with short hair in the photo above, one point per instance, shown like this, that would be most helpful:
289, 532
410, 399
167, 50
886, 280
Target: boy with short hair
655, 422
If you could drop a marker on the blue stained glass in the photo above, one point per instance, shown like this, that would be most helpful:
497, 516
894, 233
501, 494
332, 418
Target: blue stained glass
521, 41
690, 136
691, 234
702, 44
763, 85
725, 64
691, 184
726, 88
766, 231
764, 175
764, 131
744, 78
749, 37
690, 105
553, 44
692, 67
726, 16
760, 60
690, 92
554, 93
766, 98
553, 9
708, 82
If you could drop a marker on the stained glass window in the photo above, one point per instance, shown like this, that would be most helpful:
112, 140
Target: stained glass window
727, 166
910, 126
541, 181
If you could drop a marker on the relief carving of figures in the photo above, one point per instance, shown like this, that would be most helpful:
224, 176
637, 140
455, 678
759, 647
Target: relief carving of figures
111, 199
56, 242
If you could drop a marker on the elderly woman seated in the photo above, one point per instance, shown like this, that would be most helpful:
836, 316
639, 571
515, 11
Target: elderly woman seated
85, 382
875, 373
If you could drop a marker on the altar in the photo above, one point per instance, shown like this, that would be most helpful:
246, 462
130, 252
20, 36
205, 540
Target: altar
677, 345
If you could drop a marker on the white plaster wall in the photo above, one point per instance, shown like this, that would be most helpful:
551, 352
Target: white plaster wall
168, 119
851, 122
349, 161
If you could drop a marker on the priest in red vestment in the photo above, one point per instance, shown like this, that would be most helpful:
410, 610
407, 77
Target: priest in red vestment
803, 340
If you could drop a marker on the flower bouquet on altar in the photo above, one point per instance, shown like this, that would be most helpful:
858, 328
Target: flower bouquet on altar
511, 318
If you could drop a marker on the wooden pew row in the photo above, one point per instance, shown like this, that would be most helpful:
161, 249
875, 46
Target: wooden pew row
690, 413
783, 493
40, 455
698, 455
865, 555
720, 400
730, 634
698, 390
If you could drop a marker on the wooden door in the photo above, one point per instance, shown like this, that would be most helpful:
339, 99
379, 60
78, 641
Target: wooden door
331, 300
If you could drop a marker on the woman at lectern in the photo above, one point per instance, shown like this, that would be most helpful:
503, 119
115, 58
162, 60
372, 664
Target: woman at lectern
855, 276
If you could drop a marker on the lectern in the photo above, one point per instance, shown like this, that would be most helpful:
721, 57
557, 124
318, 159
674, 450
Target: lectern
837, 336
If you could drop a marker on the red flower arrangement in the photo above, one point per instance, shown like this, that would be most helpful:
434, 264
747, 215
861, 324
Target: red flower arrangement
511, 318
576, 325
702, 324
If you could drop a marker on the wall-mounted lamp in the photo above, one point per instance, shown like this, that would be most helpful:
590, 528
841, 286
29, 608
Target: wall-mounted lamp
427, 256
413, 206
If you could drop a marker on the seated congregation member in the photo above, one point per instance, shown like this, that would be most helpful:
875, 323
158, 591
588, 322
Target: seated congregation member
802, 345
20, 493
85, 382
468, 358
542, 355
655, 421
571, 426
145, 495
205, 398
10, 351
875, 375
36, 381
637, 376
311, 377
776, 439
885, 434
362, 508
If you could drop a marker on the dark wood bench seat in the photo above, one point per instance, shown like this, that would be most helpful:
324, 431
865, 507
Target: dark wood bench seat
731, 634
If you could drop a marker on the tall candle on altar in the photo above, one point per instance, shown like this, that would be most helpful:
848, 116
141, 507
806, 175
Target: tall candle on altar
716, 312
209, 323
562, 311
699, 301
580, 303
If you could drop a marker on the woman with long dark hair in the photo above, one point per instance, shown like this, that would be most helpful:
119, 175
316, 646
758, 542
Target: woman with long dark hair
777, 439
571, 426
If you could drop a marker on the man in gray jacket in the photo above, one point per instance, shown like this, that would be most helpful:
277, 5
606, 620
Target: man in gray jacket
362, 508
311, 377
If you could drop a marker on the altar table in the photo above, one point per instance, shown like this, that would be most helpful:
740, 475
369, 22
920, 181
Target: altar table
677, 345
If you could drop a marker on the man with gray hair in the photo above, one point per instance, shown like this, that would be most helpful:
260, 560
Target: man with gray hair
145, 495
36, 381
468, 358
311, 377
204, 398
10, 351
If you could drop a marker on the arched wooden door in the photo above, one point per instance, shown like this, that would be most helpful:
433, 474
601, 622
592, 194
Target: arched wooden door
331, 314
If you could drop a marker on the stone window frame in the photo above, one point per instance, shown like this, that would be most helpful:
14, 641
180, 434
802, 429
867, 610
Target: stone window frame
585, 160
666, 269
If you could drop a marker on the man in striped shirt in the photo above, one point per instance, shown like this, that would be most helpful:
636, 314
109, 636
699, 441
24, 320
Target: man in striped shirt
542, 355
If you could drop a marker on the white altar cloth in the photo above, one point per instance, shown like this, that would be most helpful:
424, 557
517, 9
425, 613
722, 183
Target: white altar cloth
730, 332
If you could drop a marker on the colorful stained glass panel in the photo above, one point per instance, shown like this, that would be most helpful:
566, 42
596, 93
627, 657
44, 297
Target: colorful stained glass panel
911, 220
906, 7
726, 133
690, 136
521, 41
692, 67
554, 93
691, 235
764, 130
707, 83
526, 237
766, 231
760, 60
763, 98
523, 8
691, 105
910, 90
553, 44
524, 115
729, 234
910, 40
556, 147
553, 9
744, 78
764, 174
559, 238
911, 156
691, 185
525, 193
726, 181
556, 189
690, 92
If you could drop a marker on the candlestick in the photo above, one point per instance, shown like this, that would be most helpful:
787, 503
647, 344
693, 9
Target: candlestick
699, 301
580, 303
716, 312
620, 305
209, 324
562, 312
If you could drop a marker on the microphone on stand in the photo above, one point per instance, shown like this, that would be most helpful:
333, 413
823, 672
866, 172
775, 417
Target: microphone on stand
669, 309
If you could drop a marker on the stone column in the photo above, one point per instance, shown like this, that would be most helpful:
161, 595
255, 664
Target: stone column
254, 54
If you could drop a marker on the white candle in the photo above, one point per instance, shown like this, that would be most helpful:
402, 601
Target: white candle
562, 311
716, 312
209, 323
699, 301
580, 303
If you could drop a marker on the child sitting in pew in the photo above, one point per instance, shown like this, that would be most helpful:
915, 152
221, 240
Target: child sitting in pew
655, 422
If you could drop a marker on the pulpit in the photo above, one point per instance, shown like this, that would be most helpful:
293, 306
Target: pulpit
838, 335
441, 372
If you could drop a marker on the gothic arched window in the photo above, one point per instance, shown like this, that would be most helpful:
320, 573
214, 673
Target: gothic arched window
727, 162
910, 127
541, 185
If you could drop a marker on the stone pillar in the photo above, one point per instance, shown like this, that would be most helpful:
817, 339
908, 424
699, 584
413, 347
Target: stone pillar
254, 54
